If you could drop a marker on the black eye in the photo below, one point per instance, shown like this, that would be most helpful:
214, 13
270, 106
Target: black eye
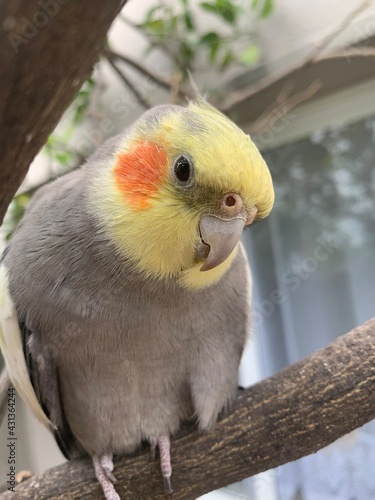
183, 169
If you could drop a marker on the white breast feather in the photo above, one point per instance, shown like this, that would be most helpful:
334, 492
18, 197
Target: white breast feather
11, 347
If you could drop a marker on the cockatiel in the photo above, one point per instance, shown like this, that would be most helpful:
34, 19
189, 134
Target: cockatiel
124, 297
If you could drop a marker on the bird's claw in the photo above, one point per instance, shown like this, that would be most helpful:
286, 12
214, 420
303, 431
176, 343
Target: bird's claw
153, 445
164, 445
104, 466
168, 484
110, 476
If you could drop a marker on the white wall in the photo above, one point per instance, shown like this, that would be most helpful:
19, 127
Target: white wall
297, 26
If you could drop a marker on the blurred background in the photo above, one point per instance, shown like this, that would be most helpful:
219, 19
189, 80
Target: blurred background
299, 77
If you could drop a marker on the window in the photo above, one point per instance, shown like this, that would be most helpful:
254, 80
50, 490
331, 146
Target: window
313, 262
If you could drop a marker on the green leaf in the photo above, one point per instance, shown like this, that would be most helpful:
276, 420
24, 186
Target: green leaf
268, 7
51, 141
227, 60
226, 9
171, 25
80, 113
208, 7
249, 56
229, 15
151, 13
212, 41
212, 53
264, 7
189, 21
187, 52
210, 38
64, 157
156, 26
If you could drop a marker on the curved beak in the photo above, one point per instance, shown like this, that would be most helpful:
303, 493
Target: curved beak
219, 239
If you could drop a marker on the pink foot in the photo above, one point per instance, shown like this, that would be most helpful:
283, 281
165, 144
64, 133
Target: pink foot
164, 445
103, 470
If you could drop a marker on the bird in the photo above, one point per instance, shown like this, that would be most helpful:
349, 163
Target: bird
125, 291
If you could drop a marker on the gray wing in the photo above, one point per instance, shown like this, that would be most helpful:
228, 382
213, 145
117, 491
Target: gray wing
27, 362
44, 377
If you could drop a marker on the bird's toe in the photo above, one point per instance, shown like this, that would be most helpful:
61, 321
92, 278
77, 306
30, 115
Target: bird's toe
103, 470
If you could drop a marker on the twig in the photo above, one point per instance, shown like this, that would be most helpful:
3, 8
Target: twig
345, 23
351, 52
268, 81
130, 86
283, 104
93, 113
152, 40
162, 82
175, 88
292, 414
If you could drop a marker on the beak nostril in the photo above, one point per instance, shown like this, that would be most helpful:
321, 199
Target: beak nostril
230, 201
231, 204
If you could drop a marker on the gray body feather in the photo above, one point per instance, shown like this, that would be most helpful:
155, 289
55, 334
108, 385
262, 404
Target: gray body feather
131, 357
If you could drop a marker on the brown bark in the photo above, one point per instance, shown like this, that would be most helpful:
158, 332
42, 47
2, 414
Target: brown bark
47, 50
292, 414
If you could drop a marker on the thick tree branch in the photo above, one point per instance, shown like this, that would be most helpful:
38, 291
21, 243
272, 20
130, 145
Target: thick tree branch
47, 50
292, 414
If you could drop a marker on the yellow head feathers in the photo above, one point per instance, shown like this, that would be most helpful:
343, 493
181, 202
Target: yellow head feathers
174, 166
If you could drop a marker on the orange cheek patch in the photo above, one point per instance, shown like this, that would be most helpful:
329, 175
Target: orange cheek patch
140, 171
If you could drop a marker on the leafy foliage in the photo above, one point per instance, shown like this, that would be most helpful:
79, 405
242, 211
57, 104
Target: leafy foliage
174, 27
56, 147
263, 7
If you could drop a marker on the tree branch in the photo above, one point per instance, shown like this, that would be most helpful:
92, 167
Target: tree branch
133, 89
294, 413
47, 50
284, 103
349, 52
159, 80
